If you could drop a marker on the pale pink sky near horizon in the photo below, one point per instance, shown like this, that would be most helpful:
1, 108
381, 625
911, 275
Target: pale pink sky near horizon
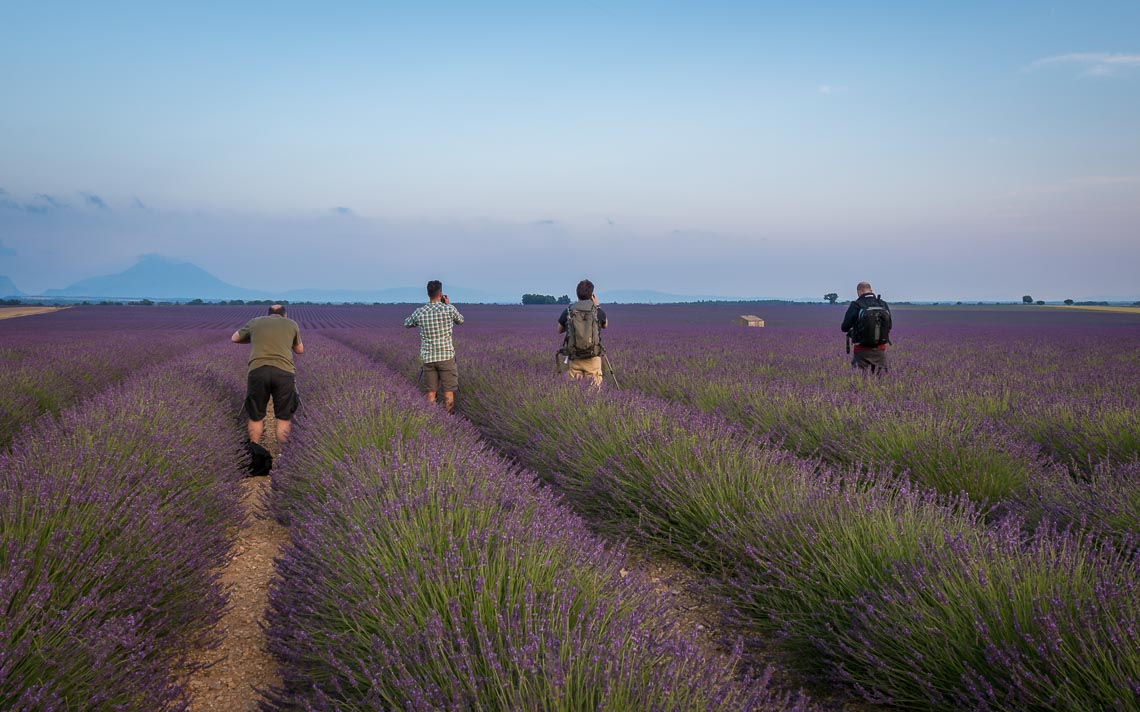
966, 151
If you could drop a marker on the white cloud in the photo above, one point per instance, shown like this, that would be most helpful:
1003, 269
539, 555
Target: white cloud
1095, 64
828, 89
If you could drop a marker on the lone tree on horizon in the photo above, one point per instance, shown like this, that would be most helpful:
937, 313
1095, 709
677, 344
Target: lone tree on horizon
1027, 299
831, 297
545, 299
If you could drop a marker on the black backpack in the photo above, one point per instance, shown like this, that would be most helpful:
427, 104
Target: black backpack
260, 460
873, 324
583, 339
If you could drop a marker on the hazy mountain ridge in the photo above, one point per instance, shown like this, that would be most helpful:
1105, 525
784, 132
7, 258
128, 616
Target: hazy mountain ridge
8, 288
158, 277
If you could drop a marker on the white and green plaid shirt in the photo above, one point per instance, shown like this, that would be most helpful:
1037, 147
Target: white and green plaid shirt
435, 320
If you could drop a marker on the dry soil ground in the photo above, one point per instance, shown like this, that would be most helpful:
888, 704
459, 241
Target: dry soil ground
241, 665
12, 312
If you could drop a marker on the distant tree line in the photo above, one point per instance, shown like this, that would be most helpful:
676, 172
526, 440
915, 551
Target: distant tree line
545, 299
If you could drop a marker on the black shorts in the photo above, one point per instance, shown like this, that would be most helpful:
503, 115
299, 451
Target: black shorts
266, 381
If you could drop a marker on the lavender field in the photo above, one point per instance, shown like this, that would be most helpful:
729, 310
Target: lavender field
960, 533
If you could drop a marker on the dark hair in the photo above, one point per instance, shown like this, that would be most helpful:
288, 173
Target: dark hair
277, 309
434, 288
585, 289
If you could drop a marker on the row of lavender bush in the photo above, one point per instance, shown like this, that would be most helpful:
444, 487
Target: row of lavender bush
907, 595
42, 373
425, 572
1023, 389
1073, 391
1023, 421
1018, 420
113, 521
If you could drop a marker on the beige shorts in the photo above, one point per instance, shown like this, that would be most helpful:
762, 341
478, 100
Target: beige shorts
442, 375
587, 368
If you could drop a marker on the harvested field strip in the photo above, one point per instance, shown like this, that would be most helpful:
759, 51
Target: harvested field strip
1100, 308
425, 572
13, 312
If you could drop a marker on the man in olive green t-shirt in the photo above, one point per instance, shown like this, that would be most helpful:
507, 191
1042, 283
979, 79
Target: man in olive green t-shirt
274, 340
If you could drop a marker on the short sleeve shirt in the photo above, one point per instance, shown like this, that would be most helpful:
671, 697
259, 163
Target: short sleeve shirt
273, 339
435, 320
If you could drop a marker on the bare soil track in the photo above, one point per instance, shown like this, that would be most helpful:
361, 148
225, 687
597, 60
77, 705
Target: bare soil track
241, 665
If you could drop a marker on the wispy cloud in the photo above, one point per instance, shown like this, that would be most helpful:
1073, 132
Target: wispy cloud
6, 251
548, 221
342, 210
829, 89
138, 204
48, 201
95, 200
1093, 64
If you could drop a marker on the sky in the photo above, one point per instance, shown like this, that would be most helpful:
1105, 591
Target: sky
944, 150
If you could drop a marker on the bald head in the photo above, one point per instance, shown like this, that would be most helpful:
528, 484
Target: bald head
277, 309
863, 288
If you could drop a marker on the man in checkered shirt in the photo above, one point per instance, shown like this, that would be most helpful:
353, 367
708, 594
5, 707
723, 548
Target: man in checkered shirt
437, 353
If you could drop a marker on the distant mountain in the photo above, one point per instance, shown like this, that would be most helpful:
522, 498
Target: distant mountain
8, 289
157, 277
161, 278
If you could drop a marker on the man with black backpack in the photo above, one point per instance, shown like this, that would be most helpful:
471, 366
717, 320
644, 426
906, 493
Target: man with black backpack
582, 322
867, 324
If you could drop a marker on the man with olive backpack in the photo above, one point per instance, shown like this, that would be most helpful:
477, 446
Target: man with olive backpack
867, 324
582, 323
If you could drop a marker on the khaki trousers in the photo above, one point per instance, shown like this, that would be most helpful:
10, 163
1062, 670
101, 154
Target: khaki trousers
587, 368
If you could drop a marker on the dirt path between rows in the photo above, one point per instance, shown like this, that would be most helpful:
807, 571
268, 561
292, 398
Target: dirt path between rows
241, 665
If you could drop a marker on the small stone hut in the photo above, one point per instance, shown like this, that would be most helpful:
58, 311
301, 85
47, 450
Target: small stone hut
749, 320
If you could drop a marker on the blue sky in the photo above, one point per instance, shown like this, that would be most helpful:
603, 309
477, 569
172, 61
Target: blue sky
940, 150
